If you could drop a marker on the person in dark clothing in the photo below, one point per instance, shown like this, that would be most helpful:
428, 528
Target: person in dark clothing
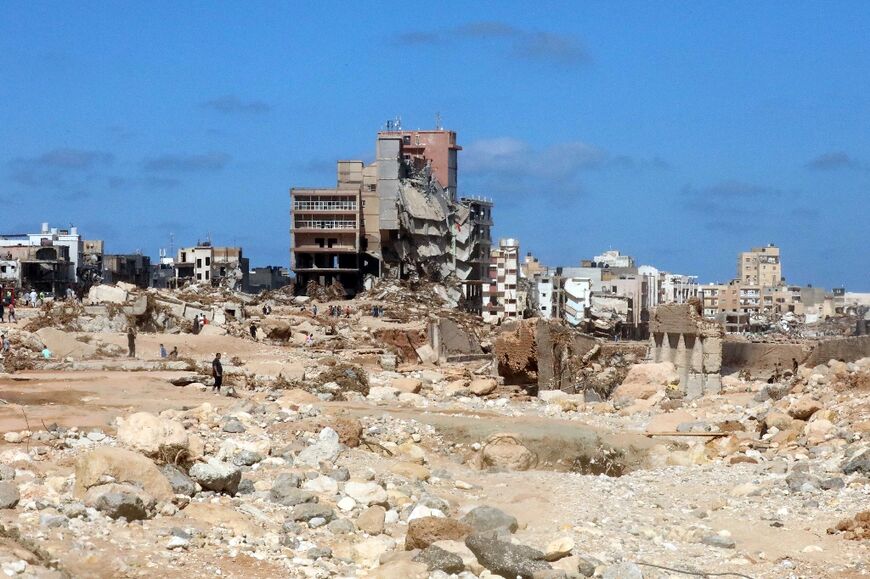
253, 331
131, 342
217, 371
173, 355
196, 324
794, 366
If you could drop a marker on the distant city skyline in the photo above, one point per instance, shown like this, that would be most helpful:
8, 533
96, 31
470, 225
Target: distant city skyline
679, 134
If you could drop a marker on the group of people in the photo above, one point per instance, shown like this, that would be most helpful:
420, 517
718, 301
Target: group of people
336, 312
377, 311
198, 322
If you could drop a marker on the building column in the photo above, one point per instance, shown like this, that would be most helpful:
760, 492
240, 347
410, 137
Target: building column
681, 361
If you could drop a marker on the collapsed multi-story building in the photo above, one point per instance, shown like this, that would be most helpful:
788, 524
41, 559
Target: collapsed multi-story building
51, 260
398, 217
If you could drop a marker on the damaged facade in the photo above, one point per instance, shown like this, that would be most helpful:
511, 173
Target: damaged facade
50, 261
224, 266
399, 217
607, 296
501, 292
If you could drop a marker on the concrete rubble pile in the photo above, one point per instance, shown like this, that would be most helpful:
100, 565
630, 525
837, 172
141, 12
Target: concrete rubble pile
425, 444
438, 238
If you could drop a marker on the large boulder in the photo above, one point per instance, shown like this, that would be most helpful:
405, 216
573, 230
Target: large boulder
424, 531
217, 476
506, 559
120, 500
644, 380
153, 436
504, 451
124, 466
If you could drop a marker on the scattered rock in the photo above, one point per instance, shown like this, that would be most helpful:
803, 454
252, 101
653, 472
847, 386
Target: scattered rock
505, 451
180, 482
124, 466
485, 518
120, 500
154, 436
559, 549
217, 476
9, 495
437, 559
482, 386
371, 520
506, 559
366, 493
308, 511
325, 449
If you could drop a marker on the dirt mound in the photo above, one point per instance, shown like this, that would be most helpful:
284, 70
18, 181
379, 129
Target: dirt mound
403, 342
856, 529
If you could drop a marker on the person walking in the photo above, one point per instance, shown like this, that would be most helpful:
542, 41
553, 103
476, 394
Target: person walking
163, 353
217, 371
131, 342
314, 310
254, 331
12, 318
2, 310
196, 324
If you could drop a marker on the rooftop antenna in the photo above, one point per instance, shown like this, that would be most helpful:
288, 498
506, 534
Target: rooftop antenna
438, 126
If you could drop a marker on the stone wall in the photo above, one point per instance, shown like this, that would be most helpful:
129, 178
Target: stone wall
678, 334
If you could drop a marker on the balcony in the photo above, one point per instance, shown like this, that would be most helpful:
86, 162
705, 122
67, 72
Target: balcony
324, 224
329, 206
322, 249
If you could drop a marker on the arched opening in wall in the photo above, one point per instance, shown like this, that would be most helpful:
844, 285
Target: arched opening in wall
46, 254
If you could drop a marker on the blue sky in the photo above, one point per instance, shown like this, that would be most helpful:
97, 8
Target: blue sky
678, 132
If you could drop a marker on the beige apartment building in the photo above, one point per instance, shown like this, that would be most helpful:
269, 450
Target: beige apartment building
760, 266
500, 295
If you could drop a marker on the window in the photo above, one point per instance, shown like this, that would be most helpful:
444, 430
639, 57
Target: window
183, 256
406, 140
206, 275
199, 276
207, 261
199, 263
